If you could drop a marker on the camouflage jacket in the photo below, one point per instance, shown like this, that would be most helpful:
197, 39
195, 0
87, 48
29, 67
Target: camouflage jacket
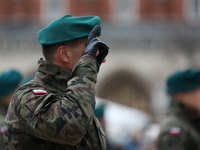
55, 111
3, 110
180, 129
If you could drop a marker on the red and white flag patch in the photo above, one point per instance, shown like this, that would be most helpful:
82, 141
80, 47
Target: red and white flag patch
40, 92
175, 131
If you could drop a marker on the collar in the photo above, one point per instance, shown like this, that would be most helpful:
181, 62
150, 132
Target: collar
52, 76
3, 108
183, 110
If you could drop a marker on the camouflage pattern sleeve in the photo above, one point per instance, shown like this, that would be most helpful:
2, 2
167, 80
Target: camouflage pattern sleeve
60, 119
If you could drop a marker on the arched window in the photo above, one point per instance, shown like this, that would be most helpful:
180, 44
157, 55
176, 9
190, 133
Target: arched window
126, 89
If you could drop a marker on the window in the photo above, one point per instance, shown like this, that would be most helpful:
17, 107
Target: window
124, 7
196, 7
192, 10
126, 10
52, 9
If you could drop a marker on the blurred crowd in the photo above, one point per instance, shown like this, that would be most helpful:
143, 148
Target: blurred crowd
140, 136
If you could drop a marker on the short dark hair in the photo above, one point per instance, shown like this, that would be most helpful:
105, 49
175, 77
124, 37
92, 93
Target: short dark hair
50, 50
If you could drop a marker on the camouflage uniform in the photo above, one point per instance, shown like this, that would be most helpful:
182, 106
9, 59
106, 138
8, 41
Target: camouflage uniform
180, 130
3, 110
61, 117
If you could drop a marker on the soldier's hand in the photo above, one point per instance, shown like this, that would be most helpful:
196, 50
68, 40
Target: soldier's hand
92, 44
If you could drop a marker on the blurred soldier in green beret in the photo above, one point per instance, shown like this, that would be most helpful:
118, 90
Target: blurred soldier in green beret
9, 81
55, 111
100, 114
180, 129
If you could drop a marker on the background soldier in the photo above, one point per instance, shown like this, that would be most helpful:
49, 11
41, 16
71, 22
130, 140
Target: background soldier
56, 110
100, 114
181, 128
9, 81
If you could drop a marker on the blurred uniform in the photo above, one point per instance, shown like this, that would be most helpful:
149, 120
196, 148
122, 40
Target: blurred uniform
9, 81
100, 114
55, 111
180, 129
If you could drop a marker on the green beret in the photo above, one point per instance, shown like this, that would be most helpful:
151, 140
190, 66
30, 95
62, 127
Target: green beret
184, 80
68, 28
9, 81
99, 111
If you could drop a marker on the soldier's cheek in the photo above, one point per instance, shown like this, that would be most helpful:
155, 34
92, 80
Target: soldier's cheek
198, 101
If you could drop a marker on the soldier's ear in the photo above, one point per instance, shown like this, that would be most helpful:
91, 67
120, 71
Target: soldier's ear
63, 53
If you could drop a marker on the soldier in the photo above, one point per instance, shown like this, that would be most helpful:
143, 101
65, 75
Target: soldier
9, 81
180, 130
100, 114
55, 111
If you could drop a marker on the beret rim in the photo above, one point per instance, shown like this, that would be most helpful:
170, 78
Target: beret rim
9, 80
182, 81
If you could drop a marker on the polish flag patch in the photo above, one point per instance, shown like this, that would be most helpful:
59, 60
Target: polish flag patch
40, 92
175, 131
